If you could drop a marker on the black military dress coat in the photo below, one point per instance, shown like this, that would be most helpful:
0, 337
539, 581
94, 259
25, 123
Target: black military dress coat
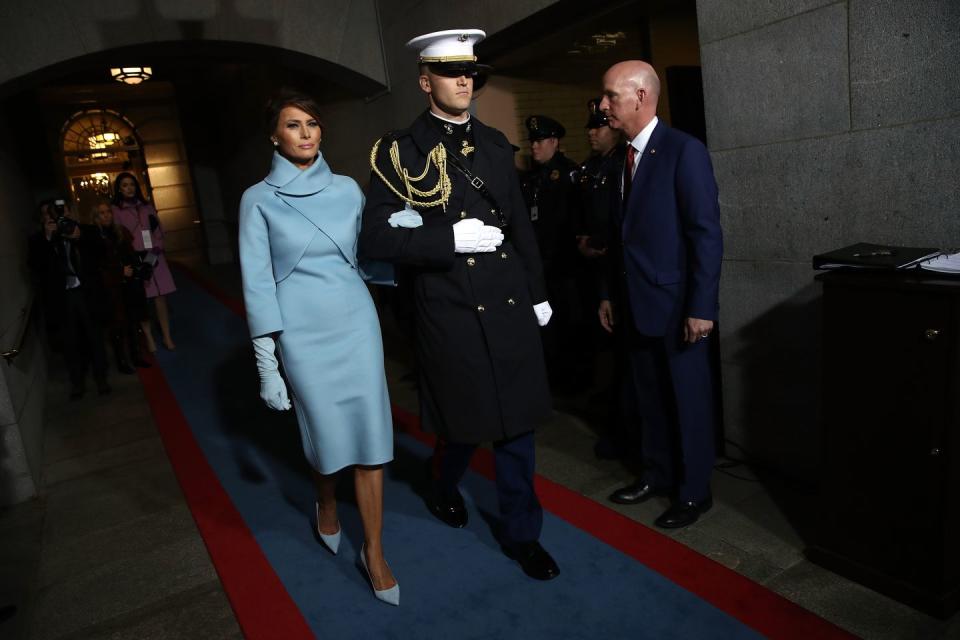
482, 374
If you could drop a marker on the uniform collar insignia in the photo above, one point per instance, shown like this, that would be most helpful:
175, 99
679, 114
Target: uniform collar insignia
290, 180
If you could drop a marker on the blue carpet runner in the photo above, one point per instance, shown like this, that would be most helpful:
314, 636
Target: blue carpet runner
454, 583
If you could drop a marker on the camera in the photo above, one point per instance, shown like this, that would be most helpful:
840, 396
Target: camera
142, 271
65, 226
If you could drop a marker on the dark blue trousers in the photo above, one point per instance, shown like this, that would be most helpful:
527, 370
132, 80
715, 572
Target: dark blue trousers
521, 516
674, 387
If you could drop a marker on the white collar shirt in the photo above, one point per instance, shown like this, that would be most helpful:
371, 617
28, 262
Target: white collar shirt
640, 142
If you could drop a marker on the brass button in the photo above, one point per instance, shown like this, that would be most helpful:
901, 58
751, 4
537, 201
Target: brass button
481, 308
471, 261
511, 301
463, 214
503, 255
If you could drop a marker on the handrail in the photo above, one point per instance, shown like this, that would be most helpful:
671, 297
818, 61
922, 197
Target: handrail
25, 314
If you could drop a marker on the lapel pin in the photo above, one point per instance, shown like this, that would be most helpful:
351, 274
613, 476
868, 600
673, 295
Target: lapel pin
652, 151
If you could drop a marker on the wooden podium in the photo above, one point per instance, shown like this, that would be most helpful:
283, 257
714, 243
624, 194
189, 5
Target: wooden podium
890, 475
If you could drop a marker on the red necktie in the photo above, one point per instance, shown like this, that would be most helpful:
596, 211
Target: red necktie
628, 172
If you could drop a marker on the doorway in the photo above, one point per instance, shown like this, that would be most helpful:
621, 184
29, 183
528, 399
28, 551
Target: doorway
97, 145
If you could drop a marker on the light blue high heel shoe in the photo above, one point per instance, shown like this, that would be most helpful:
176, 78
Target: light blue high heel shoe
331, 541
391, 595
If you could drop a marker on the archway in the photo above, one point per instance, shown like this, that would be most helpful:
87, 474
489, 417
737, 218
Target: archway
98, 144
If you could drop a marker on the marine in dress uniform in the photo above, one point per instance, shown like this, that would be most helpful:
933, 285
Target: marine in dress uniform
444, 202
554, 211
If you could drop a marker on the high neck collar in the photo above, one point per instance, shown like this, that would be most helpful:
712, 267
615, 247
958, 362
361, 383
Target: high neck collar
456, 123
289, 179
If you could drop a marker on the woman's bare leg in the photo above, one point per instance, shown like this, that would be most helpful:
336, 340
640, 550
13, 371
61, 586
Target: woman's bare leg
327, 499
163, 318
369, 485
148, 335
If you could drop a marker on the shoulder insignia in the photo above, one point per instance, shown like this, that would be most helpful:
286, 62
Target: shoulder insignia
414, 196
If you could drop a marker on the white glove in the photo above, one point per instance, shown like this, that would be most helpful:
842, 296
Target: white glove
407, 218
472, 236
273, 391
543, 313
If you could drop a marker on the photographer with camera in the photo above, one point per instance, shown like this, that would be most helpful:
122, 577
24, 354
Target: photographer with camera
124, 304
64, 259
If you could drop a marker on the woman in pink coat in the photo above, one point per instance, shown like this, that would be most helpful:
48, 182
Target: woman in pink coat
131, 210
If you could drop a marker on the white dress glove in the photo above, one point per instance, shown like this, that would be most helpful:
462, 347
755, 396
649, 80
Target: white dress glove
407, 218
543, 313
273, 390
472, 236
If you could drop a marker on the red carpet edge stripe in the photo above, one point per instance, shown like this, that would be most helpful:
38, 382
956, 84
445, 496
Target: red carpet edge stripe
752, 604
262, 605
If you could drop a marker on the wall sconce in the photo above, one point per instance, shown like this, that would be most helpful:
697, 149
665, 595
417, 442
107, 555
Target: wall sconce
131, 75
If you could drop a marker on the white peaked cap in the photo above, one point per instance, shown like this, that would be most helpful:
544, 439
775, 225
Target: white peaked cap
452, 45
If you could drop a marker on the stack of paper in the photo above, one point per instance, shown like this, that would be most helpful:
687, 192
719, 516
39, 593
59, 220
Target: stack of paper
864, 255
944, 263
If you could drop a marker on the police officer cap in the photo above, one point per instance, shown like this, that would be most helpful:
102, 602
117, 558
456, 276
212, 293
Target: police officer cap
597, 118
540, 127
450, 53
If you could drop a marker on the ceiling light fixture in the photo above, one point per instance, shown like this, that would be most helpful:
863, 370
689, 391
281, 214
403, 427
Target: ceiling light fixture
131, 75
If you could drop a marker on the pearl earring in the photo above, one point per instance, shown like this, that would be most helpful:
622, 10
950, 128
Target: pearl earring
275, 143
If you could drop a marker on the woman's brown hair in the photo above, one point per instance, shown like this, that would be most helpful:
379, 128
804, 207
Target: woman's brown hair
288, 98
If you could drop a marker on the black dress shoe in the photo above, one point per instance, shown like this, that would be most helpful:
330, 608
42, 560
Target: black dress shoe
682, 514
534, 560
448, 509
634, 493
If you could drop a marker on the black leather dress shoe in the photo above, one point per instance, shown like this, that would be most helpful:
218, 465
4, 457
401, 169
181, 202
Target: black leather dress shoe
682, 514
534, 560
634, 493
449, 509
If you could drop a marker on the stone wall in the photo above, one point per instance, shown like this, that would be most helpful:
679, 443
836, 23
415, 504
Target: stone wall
22, 378
829, 123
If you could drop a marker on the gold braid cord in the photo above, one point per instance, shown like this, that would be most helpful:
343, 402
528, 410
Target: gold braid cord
437, 157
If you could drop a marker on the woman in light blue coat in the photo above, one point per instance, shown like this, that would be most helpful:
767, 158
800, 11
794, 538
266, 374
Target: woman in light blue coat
304, 293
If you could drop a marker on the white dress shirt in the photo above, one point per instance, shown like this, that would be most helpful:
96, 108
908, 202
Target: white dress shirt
640, 143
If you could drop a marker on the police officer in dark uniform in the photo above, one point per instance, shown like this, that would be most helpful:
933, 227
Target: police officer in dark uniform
444, 201
554, 210
598, 180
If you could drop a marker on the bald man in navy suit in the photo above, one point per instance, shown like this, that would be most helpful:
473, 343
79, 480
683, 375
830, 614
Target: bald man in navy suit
667, 263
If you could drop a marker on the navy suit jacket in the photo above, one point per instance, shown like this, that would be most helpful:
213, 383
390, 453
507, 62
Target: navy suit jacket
670, 232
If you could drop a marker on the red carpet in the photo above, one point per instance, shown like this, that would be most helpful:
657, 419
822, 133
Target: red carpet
259, 600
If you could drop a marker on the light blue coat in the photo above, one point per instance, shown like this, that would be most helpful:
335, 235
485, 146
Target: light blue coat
302, 282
